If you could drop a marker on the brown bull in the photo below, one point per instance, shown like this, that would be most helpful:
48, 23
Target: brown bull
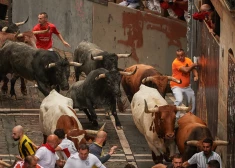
190, 134
147, 75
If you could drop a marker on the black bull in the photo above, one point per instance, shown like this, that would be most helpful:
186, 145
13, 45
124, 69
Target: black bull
11, 27
47, 68
92, 57
100, 88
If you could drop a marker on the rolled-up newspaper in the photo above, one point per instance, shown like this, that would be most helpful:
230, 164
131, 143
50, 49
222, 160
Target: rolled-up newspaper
194, 59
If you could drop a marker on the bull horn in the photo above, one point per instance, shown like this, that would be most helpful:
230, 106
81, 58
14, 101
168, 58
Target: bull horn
128, 73
152, 110
171, 78
4, 29
50, 65
182, 108
18, 34
79, 137
91, 132
21, 23
124, 55
102, 128
41, 31
99, 57
147, 79
75, 64
220, 143
4, 163
192, 142
100, 76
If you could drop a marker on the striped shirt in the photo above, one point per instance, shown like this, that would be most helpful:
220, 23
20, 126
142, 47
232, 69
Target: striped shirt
201, 160
25, 147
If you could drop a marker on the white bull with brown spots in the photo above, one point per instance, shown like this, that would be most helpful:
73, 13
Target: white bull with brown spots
56, 112
155, 119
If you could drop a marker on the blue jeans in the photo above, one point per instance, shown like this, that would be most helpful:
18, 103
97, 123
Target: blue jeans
178, 93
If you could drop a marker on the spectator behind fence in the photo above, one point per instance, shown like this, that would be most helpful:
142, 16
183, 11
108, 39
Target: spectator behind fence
214, 27
203, 157
175, 8
96, 147
130, 3
26, 146
153, 5
44, 41
203, 14
213, 164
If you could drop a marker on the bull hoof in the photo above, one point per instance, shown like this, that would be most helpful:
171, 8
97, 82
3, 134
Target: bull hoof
107, 115
95, 123
167, 159
119, 127
24, 91
14, 97
4, 91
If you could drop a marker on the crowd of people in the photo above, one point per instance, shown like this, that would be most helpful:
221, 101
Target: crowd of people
179, 9
175, 8
92, 156
60, 151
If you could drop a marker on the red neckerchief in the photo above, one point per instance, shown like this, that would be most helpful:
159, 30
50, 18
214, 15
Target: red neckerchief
49, 147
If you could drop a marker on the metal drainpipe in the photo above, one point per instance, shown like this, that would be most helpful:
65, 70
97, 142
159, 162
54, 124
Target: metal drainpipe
190, 30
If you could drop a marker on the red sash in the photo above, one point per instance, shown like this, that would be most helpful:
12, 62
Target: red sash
66, 151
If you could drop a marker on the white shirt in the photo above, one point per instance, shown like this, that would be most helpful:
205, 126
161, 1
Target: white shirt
75, 161
66, 144
46, 158
201, 160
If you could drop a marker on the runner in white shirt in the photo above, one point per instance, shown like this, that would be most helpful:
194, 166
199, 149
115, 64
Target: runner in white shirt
65, 145
46, 155
202, 158
83, 159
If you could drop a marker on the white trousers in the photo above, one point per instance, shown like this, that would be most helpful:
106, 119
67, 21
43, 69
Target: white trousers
179, 92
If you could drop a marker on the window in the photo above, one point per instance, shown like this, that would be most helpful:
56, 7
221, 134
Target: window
231, 4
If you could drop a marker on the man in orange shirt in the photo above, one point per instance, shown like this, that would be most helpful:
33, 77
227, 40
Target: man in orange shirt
44, 41
181, 68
